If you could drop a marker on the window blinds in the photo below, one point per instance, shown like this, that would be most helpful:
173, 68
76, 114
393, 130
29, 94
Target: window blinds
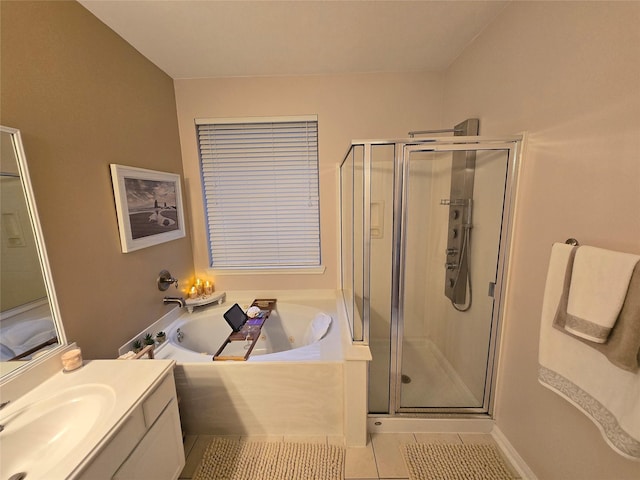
260, 183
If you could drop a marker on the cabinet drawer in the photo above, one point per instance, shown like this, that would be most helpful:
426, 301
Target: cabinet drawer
157, 400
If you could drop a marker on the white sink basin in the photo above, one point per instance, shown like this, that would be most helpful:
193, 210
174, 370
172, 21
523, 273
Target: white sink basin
38, 434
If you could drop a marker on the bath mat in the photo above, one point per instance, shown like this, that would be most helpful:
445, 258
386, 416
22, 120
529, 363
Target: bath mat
428, 461
228, 459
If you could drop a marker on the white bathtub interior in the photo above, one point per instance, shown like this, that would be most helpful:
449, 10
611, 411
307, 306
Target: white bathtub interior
196, 337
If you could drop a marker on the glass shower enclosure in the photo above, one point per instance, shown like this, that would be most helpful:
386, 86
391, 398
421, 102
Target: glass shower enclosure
425, 238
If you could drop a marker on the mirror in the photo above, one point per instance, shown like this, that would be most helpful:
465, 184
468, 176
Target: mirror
29, 317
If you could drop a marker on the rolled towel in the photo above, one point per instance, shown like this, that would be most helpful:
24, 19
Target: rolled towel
599, 284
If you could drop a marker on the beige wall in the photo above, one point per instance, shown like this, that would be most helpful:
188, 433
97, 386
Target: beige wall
348, 107
83, 98
566, 73
569, 75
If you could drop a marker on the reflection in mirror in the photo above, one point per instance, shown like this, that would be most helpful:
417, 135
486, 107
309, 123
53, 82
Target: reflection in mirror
28, 312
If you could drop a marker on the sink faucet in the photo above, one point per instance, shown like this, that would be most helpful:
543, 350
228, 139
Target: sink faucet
179, 300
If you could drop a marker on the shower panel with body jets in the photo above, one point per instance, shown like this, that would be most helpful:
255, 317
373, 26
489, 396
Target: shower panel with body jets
460, 204
425, 225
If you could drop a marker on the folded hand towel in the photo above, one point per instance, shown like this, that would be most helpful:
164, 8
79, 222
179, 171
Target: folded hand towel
599, 284
578, 373
623, 346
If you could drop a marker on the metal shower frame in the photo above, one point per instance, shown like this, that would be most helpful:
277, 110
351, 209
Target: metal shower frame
402, 149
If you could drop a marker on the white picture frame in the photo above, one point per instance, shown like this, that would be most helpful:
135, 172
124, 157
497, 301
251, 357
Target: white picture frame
148, 206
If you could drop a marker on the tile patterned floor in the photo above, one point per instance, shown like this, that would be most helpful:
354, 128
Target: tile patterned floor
379, 460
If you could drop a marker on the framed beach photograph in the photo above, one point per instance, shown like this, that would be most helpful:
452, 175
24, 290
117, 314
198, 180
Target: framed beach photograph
149, 206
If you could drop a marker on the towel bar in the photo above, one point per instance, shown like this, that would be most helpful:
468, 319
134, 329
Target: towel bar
572, 241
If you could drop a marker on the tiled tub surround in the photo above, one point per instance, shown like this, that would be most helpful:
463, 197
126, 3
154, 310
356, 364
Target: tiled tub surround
318, 389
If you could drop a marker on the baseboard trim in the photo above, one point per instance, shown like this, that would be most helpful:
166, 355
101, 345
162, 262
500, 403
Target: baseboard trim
511, 453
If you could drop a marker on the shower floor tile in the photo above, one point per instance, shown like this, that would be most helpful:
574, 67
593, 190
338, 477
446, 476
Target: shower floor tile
432, 381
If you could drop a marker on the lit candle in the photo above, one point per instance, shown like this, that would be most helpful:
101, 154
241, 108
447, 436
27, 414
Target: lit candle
208, 288
193, 293
199, 286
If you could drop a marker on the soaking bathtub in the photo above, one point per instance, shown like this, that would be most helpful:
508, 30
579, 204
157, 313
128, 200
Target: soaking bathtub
287, 335
287, 387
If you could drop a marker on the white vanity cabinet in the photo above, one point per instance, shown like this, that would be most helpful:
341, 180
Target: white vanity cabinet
148, 443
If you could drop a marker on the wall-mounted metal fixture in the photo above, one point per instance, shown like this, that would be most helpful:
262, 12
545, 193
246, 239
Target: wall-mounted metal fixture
165, 280
455, 131
460, 202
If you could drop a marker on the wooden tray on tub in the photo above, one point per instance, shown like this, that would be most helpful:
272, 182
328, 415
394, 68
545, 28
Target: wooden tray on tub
239, 345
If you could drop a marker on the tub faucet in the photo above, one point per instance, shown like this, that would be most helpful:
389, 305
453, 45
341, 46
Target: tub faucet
179, 300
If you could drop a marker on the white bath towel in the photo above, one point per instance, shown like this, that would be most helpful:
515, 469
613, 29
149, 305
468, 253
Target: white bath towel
608, 395
599, 284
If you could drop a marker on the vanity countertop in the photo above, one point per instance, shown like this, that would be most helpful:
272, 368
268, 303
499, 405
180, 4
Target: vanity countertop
118, 386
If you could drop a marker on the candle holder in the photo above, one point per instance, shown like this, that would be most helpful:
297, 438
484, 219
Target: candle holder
218, 298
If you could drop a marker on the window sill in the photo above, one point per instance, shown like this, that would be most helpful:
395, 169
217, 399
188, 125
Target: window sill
269, 271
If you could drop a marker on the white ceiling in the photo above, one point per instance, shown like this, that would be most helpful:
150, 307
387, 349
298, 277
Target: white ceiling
216, 38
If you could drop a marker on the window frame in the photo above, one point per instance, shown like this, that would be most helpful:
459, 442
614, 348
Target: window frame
283, 268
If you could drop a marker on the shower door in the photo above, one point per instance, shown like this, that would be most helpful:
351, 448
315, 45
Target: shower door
450, 249
425, 233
